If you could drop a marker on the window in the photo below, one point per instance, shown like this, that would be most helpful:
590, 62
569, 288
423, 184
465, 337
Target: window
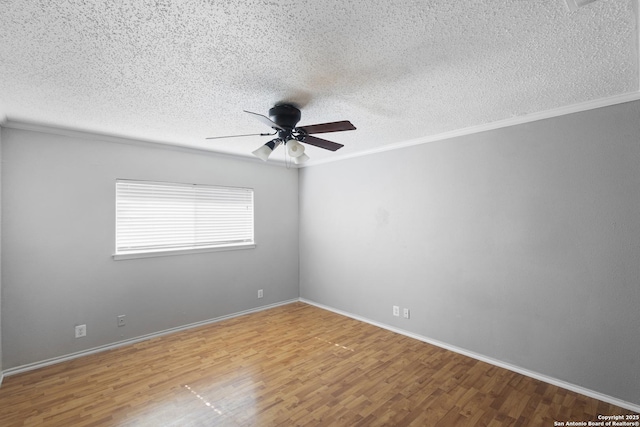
158, 218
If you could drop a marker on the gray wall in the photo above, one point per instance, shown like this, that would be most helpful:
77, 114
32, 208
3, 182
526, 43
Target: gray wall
1, 255
58, 237
521, 244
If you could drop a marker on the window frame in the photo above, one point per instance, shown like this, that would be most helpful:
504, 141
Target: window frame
193, 247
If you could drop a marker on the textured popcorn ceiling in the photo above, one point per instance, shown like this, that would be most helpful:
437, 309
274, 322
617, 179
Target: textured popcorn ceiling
179, 71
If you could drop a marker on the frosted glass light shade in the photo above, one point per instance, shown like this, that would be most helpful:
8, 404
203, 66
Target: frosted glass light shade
294, 148
265, 151
300, 159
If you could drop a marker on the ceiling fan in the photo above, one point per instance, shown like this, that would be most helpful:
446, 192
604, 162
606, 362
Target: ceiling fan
283, 119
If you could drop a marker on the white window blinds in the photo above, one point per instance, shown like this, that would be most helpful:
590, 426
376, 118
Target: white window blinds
159, 217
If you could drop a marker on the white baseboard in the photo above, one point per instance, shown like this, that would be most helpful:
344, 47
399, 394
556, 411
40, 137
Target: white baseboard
544, 378
550, 380
53, 361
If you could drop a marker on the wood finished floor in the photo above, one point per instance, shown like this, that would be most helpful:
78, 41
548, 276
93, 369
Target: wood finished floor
291, 365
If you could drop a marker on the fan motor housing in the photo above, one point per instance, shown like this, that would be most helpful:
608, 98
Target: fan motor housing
285, 115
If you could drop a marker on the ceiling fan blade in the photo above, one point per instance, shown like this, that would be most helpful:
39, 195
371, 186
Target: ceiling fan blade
322, 143
236, 136
328, 127
264, 119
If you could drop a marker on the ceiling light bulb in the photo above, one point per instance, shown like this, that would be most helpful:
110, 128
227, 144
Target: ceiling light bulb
294, 148
265, 151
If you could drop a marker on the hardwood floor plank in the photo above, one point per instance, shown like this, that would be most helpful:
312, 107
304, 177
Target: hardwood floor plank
291, 365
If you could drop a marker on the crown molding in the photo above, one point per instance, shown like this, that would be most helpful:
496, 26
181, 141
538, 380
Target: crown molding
514, 121
119, 139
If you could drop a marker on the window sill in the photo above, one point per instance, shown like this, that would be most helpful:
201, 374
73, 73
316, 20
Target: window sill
153, 254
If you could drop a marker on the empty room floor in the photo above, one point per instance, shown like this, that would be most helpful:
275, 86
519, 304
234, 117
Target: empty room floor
291, 365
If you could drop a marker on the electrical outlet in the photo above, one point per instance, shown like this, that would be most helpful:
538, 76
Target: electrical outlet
405, 313
81, 331
121, 321
260, 293
396, 310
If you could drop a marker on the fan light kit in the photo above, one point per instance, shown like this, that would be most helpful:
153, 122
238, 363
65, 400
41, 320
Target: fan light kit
283, 119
